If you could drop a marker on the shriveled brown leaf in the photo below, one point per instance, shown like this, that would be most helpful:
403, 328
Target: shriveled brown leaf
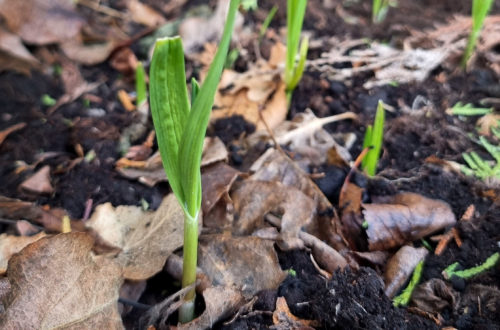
9, 130
39, 183
214, 151
216, 180
13, 50
433, 296
9, 245
57, 282
144, 14
488, 121
284, 319
274, 166
90, 54
41, 22
146, 238
400, 267
404, 218
249, 264
253, 199
132, 291
378, 258
220, 303
327, 257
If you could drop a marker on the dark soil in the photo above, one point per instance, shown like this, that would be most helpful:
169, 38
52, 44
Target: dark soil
352, 299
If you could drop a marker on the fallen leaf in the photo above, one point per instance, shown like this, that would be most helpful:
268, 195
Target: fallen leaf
13, 49
253, 199
400, 267
486, 122
9, 130
216, 180
214, 151
327, 257
146, 238
404, 218
433, 296
284, 319
57, 282
196, 31
132, 291
220, 303
144, 14
247, 263
9, 245
39, 183
88, 54
29, 19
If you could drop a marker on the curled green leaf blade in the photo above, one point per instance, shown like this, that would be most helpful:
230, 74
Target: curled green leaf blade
140, 84
169, 106
196, 126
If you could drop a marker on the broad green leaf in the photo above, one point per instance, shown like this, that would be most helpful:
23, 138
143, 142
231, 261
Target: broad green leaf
194, 133
295, 17
169, 106
195, 89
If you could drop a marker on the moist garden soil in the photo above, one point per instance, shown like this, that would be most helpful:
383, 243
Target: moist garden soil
351, 299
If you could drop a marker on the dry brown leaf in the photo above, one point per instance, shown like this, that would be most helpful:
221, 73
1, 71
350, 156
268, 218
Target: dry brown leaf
255, 93
196, 31
39, 183
274, 166
4, 133
220, 303
144, 14
41, 22
145, 238
20, 59
305, 135
216, 180
400, 267
214, 151
57, 282
327, 257
90, 54
404, 218
254, 199
9, 245
284, 319
249, 264
433, 296
488, 121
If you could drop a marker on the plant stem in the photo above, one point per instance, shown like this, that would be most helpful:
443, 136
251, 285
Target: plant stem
190, 251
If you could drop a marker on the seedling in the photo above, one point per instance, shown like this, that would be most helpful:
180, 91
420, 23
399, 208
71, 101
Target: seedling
180, 130
373, 139
248, 5
296, 10
451, 270
478, 166
267, 21
140, 85
380, 9
468, 109
404, 298
48, 100
480, 9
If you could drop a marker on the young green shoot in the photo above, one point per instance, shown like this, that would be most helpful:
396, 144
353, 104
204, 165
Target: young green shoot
140, 85
404, 297
480, 168
180, 131
451, 270
480, 9
380, 8
373, 139
267, 21
296, 10
468, 109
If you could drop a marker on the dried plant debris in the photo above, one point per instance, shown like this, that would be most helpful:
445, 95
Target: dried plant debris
404, 218
39, 182
400, 267
433, 296
247, 263
56, 282
216, 181
146, 238
284, 319
10, 245
253, 199
14, 55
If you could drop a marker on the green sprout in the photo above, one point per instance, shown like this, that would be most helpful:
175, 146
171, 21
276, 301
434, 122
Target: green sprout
468, 109
180, 131
404, 297
479, 167
451, 270
267, 21
480, 9
248, 5
48, 100
373, 139
140, 85
296, 10
380, 9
